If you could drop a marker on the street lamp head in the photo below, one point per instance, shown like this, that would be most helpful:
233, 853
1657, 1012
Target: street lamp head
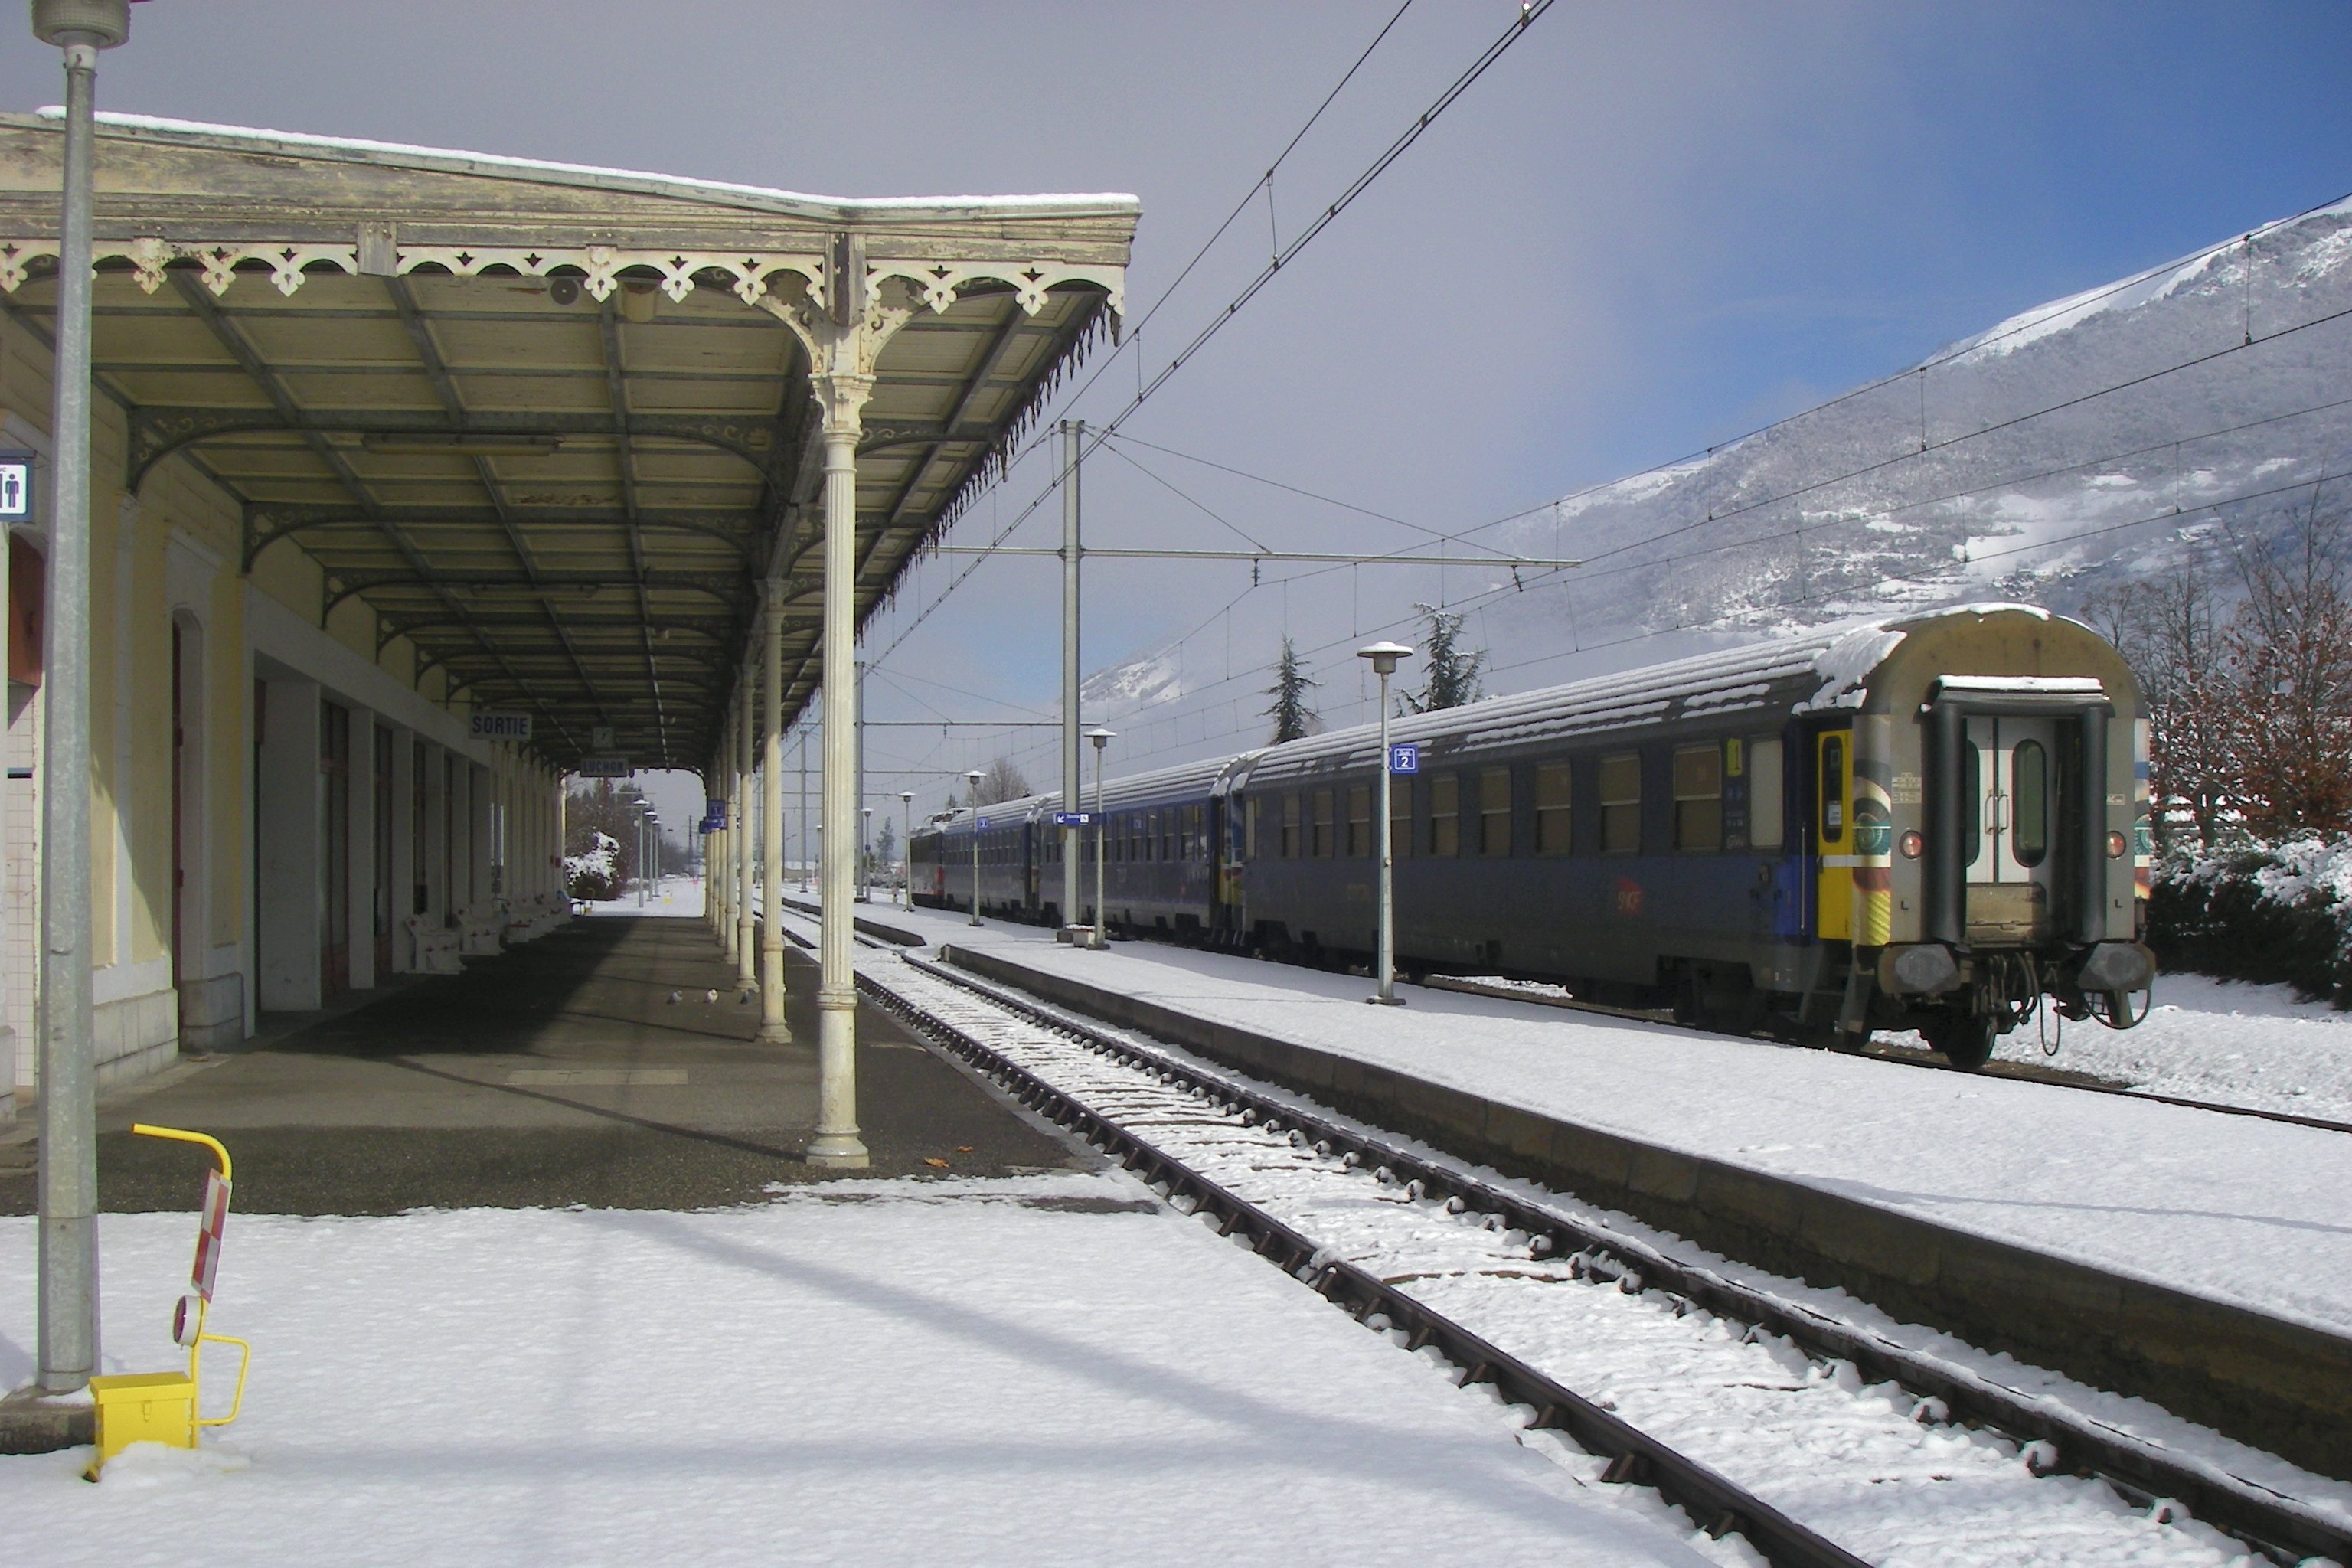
1101, 737
973, 775
94, 24
1384, 656
906, 797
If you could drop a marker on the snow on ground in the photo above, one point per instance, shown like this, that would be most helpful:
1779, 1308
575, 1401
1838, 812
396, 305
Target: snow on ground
2259, 1046
2238, 1210
675, 896
865, 1371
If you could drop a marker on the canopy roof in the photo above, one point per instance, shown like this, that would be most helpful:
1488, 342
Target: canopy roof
547, 421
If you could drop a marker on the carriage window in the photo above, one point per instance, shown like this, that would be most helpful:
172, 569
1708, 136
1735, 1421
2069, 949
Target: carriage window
1833, 789
1494, 811
1399, 817
2029, 776
1698, 797
1290, 827
1972, 798
1552, 809
1445, 815
1621, 804
1322, 823
1764, 794
1359, 821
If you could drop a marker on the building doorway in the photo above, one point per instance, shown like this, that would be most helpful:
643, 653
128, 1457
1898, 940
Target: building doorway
334, 849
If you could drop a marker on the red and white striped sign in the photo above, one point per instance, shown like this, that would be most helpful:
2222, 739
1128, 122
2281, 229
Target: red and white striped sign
208, 1238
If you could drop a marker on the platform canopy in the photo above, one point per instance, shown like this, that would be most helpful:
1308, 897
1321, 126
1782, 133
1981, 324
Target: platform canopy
557, 425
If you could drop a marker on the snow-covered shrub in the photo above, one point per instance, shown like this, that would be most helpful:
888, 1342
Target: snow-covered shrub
2272, 913
595, 874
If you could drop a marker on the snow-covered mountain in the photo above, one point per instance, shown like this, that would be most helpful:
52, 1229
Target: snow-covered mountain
2089, 439
2092, 437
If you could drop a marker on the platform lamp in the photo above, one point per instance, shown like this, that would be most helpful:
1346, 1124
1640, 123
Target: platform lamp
907, 843
865, 861
973, 776
1101, 738
1384, 656
68, 1264
638, 808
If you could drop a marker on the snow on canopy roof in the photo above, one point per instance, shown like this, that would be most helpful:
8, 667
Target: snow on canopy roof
500, 165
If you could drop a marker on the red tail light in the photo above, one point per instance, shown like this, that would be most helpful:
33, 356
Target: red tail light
2116, 844
1914, 845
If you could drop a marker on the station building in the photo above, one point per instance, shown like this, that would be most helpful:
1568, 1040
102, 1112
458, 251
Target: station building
388, 439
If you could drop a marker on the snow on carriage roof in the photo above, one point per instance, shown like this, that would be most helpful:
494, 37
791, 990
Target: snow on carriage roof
456, 159
1826, 667
1179, 778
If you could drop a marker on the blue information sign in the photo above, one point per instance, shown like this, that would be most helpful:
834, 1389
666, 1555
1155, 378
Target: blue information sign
983, 824
1405, 757
1074, 819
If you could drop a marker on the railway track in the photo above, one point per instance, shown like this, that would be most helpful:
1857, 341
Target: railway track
1814, 1440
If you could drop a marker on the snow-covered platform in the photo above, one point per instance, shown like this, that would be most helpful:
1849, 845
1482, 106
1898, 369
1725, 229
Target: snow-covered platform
1043, 1370
2200, 1259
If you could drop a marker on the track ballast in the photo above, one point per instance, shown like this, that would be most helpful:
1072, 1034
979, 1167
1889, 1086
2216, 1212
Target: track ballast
1709, 1391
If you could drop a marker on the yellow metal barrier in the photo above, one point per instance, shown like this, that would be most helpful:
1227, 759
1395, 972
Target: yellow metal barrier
167, 1408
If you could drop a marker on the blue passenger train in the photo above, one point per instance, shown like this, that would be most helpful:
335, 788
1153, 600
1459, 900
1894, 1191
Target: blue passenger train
1933, 822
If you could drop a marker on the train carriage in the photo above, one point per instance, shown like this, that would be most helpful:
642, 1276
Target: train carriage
1935, 820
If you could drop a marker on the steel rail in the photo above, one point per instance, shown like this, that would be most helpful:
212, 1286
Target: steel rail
2278, 1526
1715, 1503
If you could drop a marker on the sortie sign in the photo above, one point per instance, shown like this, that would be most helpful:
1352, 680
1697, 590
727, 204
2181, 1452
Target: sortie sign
491, 725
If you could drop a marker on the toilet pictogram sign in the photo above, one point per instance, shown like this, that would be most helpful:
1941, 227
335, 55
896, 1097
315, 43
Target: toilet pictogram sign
15, 487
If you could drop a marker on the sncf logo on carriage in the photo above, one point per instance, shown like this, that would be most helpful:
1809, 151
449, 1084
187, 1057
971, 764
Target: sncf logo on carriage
489, 726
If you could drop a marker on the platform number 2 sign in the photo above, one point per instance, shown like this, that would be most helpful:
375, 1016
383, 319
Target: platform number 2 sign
1405, 758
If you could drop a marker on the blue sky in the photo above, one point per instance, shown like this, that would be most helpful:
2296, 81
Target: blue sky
1649, 229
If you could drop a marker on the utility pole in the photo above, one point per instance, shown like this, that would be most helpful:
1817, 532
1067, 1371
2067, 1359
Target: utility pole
1073, 435
67, 1266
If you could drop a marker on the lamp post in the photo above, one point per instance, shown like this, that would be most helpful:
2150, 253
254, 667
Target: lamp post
653, 848
1384, 656
1101, 738
906, 845
641, 808
972, 798
67, 1268
864, 860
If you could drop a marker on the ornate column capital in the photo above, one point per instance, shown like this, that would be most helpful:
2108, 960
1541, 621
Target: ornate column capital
842, 397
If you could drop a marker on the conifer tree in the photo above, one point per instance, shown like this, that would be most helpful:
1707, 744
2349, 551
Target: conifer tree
1293, 719
1453, 674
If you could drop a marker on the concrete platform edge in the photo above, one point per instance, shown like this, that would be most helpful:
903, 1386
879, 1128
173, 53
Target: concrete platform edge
2276, 1385
35, 1423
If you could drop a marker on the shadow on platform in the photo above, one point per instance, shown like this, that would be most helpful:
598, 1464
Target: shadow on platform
611, 1064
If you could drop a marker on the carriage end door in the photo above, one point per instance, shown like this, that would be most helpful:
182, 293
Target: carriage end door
2008, 789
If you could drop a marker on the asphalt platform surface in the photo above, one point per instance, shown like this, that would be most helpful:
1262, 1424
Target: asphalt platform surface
558, 1073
